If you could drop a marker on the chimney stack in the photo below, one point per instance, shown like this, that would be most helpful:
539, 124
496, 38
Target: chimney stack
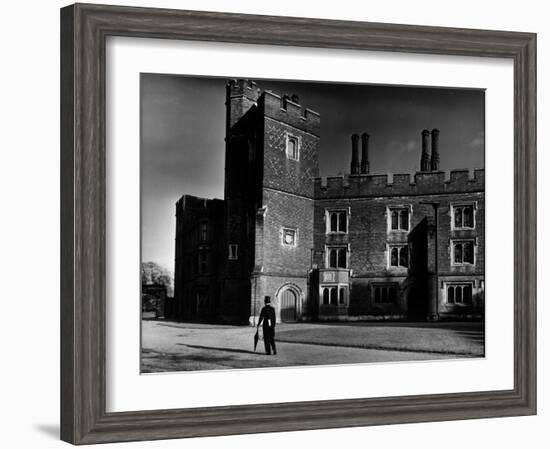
435, 150
425, 164
365, 166
355, 154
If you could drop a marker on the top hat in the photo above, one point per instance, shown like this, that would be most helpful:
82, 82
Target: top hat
267, 299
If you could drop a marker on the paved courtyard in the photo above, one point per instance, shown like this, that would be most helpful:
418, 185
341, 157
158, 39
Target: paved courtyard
173, 346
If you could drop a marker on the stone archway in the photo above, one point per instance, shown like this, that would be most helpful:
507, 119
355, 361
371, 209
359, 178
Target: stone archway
289, 302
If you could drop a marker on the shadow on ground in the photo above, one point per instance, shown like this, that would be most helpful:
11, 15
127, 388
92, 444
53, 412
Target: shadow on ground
214, 348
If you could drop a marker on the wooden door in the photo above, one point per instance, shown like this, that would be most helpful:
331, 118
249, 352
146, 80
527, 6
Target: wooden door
288, 305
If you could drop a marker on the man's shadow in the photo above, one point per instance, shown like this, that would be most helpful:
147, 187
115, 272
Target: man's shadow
241, 351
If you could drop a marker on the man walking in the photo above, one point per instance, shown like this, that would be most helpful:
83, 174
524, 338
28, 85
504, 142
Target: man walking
267, 317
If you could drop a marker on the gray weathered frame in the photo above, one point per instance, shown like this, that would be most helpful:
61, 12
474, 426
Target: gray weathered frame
84, 29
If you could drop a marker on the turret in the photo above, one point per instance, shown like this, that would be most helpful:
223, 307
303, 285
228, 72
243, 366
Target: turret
240, 96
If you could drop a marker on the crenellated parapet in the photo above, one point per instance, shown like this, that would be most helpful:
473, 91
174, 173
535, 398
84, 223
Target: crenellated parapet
240, 96
197, 204
243, 87
421, 183
288, 110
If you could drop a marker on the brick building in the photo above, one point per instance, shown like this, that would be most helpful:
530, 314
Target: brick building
353, 247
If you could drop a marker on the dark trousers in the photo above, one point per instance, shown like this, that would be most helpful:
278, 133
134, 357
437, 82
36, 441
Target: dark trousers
269, 340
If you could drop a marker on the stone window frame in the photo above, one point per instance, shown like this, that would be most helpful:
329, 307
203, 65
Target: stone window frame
298, 140
462, 284
282, 234
397, 207
339, 288
337, 210
452, 252
338, 247
389, 285
233, 251
452, 207
389, 248
204, 233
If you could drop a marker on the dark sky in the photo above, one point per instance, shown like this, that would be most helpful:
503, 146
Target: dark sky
183, 127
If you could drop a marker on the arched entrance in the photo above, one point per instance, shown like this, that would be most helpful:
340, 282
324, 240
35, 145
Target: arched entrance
288, 300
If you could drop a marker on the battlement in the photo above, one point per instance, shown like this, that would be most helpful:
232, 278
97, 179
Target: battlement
422, 183
197, 204
240, 87
287, 110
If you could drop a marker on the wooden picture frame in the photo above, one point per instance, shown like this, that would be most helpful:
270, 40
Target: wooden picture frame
84, 29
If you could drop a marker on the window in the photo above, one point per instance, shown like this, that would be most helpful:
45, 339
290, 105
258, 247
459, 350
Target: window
292, 147
330, 296
342, 296
463, 217
233, 252
384, 293
337, 221
289, 237
337, 257
399, 219
326, 296
203, 262
333, 299
463, 252
334, 295
203, 231
399, 256
459, 293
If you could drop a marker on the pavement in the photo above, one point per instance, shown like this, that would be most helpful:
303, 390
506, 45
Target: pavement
175, 346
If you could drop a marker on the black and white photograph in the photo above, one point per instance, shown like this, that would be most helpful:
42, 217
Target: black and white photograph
287, 224
291, 223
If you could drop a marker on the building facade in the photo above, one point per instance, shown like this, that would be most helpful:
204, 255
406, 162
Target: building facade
353, 247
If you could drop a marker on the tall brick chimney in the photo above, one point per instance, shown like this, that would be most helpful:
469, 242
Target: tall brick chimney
355, 166
365, 166
435, 150
425, 163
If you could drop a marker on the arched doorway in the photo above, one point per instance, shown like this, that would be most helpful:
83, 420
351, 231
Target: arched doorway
288, 299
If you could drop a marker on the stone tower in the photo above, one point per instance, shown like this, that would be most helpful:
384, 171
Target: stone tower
271, 159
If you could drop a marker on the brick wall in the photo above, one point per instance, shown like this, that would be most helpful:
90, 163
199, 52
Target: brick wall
282, 173
368, 237
287, 211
